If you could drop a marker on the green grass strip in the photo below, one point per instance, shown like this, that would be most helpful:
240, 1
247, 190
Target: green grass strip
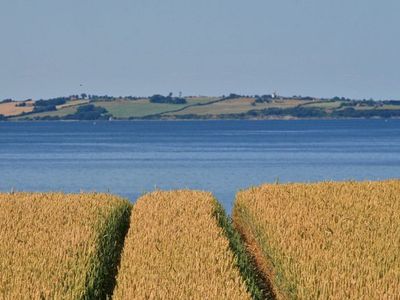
256, 284
101, 280
277, 283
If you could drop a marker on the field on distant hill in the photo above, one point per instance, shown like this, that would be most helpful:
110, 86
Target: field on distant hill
118, 108
72, 103
234, 106
12, 108
124, 109
57, 113
229, 107
323, 104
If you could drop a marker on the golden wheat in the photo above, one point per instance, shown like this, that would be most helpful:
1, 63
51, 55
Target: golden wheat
176, 250
327, 240
49, 243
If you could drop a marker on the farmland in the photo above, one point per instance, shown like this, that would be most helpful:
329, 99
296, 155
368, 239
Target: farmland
123, 109
12, 109
197, 107
329, 240
119, 108
232, 106
324, 241
176, 250
62, 112
57, 246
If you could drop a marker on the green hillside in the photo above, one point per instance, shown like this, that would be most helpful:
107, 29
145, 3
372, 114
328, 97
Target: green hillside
225, 107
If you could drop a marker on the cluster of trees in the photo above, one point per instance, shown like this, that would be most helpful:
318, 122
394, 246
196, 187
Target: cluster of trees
167, 99
298, 112
350, 112
263, 98
89, 112
84, 112
391, 102
268, 97
109, 98
336, 98
49, 104
52, 101
232, 96
314, 112
372, 103
3, 117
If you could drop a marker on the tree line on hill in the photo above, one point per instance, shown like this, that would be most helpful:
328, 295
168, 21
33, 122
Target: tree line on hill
347, 108
83, 112
92, 112
300, 112
314, 112
89, 112
51, 104
167, 99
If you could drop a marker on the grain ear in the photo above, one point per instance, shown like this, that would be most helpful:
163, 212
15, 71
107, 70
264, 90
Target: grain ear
329, 240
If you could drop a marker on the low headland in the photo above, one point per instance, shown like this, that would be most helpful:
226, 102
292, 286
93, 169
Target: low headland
159, 107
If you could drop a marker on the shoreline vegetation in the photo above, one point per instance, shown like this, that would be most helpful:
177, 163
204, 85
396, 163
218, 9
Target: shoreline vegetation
298, 240
231, 107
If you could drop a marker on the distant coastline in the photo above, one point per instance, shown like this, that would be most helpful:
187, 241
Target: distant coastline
231, 107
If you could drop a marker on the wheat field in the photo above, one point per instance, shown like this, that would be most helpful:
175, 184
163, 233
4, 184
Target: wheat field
175, 249
325, 241
59, 246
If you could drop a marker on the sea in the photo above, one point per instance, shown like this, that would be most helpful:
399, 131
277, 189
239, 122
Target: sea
130, 158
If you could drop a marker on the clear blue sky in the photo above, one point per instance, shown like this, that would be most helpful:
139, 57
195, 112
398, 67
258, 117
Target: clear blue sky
213, 47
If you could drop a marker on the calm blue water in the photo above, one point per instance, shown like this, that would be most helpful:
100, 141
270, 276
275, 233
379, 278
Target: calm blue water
130, 158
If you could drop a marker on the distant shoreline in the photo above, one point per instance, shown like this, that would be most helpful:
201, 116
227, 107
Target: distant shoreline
193, 120
168, 108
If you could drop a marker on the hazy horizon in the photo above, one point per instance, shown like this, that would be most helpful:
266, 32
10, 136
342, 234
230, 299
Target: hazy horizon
199, 95
294, 47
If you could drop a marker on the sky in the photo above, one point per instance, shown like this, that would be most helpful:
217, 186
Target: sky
321, 48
